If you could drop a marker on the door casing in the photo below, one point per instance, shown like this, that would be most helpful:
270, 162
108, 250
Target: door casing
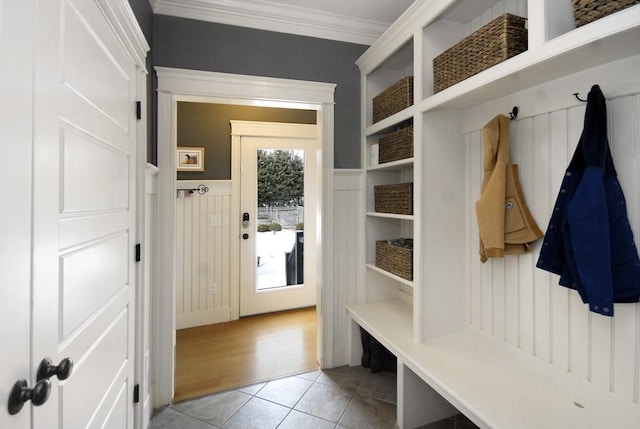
197, 86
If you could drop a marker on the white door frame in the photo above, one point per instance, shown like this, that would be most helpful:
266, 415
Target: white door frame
189, 85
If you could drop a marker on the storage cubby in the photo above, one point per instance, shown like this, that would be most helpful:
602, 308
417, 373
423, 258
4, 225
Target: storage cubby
396, 67
461, 19
498, 341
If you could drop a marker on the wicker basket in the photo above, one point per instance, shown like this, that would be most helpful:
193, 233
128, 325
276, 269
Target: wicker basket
397, 145
394, 259
396, 198
586, 11
397, 97
503, 38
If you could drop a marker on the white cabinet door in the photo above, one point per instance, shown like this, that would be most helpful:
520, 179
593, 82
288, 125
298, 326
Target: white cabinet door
82, 218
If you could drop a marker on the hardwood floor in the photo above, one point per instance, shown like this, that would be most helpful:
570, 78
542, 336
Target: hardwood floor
253, 349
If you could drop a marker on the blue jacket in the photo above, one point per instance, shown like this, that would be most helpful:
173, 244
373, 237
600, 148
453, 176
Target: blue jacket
589, 242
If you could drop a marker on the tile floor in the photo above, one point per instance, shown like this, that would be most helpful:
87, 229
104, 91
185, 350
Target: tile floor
345, 397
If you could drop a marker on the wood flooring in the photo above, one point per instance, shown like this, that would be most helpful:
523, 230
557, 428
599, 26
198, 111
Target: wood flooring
253, 349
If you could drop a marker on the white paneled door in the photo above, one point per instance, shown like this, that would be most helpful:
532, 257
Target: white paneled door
82, 229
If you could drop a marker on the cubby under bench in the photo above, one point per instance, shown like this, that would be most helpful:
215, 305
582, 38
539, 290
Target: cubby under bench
492, 383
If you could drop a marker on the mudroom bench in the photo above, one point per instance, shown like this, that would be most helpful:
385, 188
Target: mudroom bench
492, 383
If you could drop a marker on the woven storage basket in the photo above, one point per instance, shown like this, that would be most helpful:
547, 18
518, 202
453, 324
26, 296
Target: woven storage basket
394, 259
503, 38
397, 145
397, 97
586, 11
396, 198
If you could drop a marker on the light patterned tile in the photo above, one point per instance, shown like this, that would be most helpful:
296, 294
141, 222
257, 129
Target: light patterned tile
325, 401
214, 409
252, 389
382, 386
311, 376
344, 376
171, 419
257, 414
285, 391
369, 413
298, 420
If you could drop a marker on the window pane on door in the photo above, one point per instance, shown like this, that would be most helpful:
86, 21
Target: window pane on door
280, 236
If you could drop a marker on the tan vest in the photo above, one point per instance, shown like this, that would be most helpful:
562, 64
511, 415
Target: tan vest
504, 220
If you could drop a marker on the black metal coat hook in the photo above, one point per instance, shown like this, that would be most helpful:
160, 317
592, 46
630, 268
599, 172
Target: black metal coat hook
577, 95
201, 190
514, 113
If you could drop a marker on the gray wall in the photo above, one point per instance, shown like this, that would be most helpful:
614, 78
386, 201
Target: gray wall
144, 15
208, 126
198, 45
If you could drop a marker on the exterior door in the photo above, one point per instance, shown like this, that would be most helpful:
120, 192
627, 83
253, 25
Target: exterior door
278, 227
82, 218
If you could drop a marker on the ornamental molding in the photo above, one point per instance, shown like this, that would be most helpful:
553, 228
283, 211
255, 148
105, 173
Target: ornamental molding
265, 15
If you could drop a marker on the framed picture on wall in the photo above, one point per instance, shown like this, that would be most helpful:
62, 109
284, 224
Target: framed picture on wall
190, 159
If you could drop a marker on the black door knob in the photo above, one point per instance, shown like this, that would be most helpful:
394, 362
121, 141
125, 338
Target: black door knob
245, 236
47, 369
20, 393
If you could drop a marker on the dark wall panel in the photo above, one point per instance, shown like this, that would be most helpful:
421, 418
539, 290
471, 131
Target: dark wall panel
144, 15
198, 45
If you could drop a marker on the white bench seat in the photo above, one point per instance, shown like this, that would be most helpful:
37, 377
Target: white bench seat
492, 383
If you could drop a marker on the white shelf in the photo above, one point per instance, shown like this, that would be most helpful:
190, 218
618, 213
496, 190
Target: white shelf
404, 281
493, 384
389, 124
608, 39
393, 165
390, 216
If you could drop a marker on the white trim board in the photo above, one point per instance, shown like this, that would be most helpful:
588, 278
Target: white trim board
187, 85
268, 16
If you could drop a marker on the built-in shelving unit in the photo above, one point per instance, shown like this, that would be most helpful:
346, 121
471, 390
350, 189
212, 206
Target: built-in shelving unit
430, 322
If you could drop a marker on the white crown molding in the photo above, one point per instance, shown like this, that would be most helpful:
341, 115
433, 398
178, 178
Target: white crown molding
265, 15
125, 25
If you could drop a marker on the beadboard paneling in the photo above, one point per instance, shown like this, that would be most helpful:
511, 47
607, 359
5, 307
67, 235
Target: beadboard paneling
512, 300
347, 217
202, 255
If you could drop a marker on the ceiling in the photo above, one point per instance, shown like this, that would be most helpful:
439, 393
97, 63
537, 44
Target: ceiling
353, 21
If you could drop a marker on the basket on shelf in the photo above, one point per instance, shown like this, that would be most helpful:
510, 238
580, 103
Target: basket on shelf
397, 145
586, 11
396, 257
502, 38
396, 198
397, 97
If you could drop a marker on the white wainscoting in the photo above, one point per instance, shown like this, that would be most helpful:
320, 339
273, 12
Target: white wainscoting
203, 259
348, 215
514, 301
149, 263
